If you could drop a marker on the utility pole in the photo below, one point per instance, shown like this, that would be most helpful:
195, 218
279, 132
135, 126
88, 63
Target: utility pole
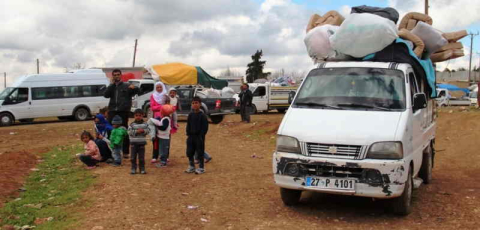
38, 66
426, 7
134, 52
5, 80
471, 50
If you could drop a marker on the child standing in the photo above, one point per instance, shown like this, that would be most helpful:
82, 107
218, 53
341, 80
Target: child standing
92, 154
157, 100
163, 127
197, 128
116, 139
174, 102
137, 132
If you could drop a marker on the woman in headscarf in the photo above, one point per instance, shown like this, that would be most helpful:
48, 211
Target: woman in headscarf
158, 98
156, 101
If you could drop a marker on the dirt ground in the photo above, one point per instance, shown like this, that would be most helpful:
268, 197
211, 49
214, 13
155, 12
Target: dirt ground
238, 192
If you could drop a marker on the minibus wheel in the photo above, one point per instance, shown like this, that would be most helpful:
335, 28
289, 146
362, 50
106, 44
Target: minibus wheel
6, 119
290, 197
402, 205
81, 114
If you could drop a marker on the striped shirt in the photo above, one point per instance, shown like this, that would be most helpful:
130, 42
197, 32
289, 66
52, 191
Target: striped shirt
138, 138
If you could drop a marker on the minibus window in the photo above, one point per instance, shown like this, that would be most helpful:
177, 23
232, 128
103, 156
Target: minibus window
18, 95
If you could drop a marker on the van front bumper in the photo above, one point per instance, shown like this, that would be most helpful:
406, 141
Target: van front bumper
373, 178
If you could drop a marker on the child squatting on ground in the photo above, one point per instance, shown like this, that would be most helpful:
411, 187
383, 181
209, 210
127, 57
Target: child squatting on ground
163, 128
137, 132
119, 133
92, 154
197, 128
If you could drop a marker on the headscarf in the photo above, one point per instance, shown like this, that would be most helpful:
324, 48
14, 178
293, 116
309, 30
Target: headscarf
103, 126
159, 97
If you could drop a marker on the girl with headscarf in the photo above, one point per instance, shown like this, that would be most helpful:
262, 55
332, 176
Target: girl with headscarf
156, 101
103, 130
158, 98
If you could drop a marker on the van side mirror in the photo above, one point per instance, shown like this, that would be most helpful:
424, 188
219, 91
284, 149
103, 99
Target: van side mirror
419, 101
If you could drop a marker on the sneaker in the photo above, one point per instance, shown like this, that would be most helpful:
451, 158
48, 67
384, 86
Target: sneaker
199, 171
190, 169
153, 161
143, 172
109, 161
208, 160
161, 165
133, 171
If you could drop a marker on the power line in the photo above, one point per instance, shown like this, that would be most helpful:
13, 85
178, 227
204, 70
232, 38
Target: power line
471, 50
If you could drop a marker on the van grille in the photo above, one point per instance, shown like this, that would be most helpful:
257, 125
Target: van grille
333, 171
334, 151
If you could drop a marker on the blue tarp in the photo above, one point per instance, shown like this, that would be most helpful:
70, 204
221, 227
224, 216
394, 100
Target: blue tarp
453, 88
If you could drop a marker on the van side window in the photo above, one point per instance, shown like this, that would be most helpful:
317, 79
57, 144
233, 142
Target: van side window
413, 85
18, 95
145, 88
260, 91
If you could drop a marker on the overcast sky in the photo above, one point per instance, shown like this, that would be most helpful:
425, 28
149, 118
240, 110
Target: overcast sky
214, 34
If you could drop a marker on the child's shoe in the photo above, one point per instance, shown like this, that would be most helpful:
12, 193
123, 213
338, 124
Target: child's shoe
200, 171
153, 161
91, 167
190, 169
208, 160
109, 161
133, 171
143, 172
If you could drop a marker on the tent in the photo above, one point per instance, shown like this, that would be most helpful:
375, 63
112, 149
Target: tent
183, 74
453, 88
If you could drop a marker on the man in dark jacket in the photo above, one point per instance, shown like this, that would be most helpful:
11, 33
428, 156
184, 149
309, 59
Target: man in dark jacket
246, 98
120, 95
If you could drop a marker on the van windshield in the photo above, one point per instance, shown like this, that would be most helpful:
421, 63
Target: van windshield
353, 89
6, 92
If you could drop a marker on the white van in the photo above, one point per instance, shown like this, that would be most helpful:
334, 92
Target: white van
357, 128
75, 95
267, 97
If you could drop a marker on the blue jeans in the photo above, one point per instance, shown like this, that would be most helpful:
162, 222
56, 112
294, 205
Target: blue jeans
164, 149
117, 154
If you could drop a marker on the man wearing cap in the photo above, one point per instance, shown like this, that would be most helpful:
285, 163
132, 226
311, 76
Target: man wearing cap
120, 95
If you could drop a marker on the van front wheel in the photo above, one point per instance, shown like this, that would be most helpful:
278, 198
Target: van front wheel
427, 165
402, 205
290, 197
6, 119
81, 114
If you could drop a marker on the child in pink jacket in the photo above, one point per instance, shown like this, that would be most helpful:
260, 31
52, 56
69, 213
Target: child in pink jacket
92, 154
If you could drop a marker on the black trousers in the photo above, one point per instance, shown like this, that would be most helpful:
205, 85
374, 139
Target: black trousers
124, 116
138, 151
104, 149
155, 149
88, 160
245, 113
195, 143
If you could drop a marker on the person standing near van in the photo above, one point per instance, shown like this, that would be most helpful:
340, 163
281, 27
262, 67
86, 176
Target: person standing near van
120, 95
246, 98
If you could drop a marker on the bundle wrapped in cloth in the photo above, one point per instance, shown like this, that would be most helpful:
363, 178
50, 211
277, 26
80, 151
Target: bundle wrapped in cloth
386, 12
451, 50
410, 20
317, 42
330, 18
363, 34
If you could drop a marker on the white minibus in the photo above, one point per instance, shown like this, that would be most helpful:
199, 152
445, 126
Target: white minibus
75, 95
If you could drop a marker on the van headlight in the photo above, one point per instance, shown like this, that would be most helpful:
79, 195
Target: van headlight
386, 150
288, 144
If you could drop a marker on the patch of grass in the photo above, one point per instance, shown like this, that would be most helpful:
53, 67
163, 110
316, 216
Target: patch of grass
51, 192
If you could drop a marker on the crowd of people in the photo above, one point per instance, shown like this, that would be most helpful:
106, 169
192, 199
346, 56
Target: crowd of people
116, 139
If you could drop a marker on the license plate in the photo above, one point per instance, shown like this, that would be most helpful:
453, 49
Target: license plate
330, 183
